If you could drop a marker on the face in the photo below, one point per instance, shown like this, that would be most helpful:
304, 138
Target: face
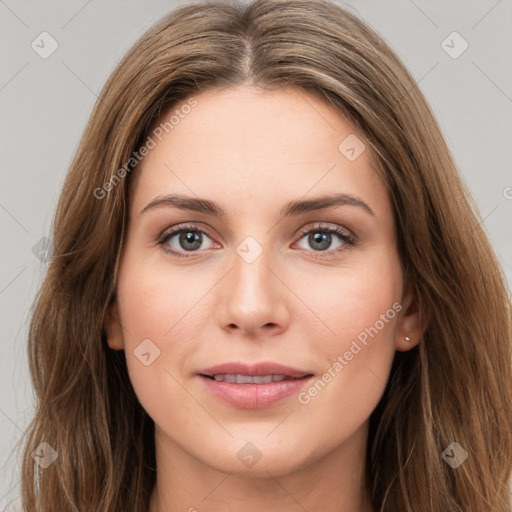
260, 238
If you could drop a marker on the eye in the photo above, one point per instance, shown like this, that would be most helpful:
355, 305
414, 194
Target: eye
182, 239
321, 237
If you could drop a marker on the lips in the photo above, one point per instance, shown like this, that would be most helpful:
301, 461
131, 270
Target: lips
253, 386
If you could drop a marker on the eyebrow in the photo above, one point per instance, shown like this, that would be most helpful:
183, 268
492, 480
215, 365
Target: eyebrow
293, 208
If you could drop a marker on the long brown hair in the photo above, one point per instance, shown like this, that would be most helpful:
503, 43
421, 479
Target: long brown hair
455, 386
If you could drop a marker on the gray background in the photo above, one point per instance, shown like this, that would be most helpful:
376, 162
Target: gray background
45, 104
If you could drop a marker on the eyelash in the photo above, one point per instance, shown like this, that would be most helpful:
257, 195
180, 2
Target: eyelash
347, 239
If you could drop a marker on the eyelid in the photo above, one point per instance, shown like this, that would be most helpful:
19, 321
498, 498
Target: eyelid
319, 226
192, 226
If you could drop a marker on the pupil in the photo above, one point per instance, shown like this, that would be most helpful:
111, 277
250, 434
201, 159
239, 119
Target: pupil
323, 239
190, 237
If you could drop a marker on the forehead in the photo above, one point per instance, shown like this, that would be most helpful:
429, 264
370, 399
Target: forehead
246, 143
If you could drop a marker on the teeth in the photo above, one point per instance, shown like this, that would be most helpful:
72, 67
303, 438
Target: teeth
248, 379
263, 379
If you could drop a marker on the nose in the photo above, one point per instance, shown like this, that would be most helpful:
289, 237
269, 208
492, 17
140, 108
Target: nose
253, 300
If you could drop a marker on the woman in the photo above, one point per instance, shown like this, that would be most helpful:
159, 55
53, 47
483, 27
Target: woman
269, 289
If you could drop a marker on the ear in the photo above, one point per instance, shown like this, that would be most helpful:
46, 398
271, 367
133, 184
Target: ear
412, 324
113, 328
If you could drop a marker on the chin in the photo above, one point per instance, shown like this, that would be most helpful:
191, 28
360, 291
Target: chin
275, 465
260, 457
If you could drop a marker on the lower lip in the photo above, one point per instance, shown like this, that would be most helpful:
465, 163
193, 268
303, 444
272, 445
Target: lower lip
254, 396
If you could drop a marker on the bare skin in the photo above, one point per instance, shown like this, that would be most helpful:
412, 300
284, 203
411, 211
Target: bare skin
302, 302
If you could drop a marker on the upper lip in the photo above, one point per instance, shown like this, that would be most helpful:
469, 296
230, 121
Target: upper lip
259, 369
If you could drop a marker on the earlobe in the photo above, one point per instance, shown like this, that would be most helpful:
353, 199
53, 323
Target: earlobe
412, 323
112, 327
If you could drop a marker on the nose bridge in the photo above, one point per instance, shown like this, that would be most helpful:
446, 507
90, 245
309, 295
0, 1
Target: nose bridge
251, 273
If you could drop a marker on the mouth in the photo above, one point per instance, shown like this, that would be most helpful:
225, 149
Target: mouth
251, 379
253, 386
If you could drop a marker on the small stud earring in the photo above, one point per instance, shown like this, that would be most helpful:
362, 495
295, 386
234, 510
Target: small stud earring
407, 338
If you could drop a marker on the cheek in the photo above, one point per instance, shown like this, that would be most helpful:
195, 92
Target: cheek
158, 322
342, 303
359, 310
156, 302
